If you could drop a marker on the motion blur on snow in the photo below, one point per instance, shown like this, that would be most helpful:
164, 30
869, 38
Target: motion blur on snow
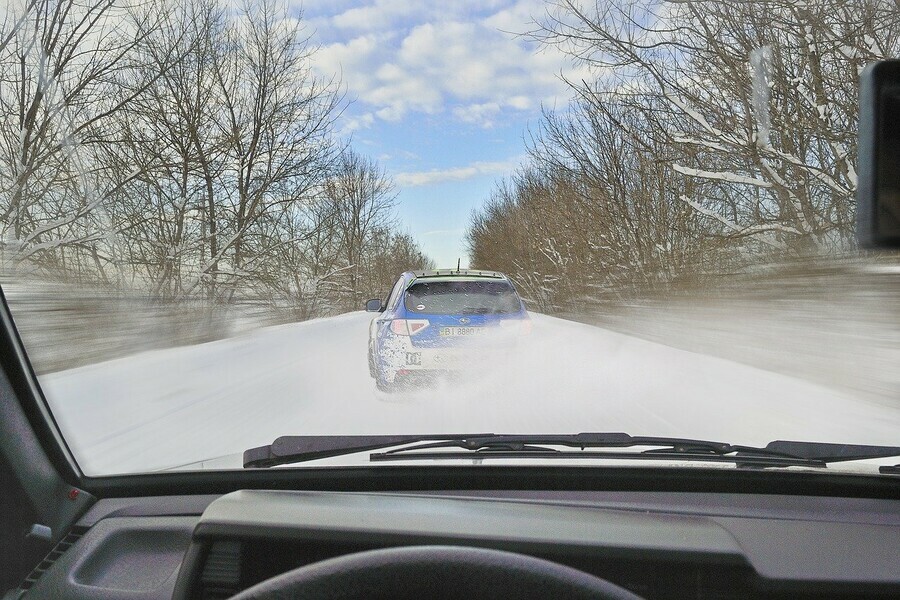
201, 406
198, 405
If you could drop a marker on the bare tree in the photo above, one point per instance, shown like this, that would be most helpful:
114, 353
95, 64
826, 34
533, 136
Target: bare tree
173, 129
65, 69
594, 215
361, 198
276, 116
13, 19
186, 150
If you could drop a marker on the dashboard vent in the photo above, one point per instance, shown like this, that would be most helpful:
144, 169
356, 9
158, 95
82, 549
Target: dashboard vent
58, 550
221, 576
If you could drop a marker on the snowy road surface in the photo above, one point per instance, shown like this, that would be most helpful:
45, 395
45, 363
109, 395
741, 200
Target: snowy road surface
171, 407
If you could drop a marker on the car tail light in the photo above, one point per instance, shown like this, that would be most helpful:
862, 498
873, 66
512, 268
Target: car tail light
408, 326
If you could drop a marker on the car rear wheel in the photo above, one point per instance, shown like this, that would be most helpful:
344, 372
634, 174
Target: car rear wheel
383, 384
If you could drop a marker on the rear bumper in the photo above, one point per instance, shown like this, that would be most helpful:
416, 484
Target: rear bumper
399, 358
440, 359
404, 378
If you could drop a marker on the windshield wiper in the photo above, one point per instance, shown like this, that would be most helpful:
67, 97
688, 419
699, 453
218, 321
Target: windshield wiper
301, 448
295, 449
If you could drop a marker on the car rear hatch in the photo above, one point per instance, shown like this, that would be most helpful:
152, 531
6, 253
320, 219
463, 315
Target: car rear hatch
462, 312
462, 330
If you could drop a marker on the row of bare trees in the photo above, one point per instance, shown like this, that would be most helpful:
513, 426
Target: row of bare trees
185, 148
711, 135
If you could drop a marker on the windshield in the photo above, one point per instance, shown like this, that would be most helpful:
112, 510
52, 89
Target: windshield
200, 199
462, 297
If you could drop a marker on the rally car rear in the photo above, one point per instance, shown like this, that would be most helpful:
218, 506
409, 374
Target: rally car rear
445, 325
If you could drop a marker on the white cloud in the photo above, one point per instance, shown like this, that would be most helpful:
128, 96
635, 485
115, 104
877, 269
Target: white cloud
443, 232
479, 114
518, 18
378, 15
520, 102
355, 123
475, 169
381, 15
395, 57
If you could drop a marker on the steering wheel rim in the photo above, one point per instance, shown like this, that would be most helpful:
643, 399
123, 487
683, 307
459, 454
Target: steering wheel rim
439, 572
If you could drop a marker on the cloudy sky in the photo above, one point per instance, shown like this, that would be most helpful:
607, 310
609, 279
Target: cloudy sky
442, 93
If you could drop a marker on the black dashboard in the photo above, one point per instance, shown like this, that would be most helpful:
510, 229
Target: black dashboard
656, 544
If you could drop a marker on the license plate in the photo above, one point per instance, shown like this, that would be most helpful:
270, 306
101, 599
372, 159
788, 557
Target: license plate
458, 331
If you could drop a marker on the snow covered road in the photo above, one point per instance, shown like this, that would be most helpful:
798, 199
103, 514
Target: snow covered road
178, 406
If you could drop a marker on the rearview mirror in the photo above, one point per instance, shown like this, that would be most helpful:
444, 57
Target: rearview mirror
373, 305
878, 186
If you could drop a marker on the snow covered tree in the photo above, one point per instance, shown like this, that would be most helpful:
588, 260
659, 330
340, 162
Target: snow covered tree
759, 97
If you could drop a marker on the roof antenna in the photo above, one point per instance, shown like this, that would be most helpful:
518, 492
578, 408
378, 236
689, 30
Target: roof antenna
458, 260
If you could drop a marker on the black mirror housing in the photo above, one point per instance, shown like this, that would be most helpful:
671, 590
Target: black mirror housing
373, 305
878, 169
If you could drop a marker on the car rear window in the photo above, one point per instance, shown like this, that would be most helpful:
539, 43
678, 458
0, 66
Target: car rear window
462, 298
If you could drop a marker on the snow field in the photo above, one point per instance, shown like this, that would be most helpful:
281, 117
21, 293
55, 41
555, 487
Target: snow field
174, 407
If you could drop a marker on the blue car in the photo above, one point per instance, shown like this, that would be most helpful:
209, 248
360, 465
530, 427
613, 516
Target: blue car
441, 323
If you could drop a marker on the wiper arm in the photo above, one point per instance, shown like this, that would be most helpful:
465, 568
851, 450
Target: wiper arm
301, 448
294, 449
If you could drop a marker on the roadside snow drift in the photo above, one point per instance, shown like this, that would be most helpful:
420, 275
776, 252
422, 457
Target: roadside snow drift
176, 407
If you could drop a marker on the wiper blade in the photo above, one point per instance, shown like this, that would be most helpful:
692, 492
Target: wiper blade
295, 449
778, 453
542, 446
830, 453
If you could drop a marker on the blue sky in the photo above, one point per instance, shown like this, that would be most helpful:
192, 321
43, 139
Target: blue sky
442, 95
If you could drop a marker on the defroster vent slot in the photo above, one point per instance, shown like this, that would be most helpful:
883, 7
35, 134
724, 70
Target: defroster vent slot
221, 575
58, 550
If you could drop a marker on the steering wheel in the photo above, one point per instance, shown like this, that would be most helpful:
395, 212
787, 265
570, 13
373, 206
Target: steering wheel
439, 572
